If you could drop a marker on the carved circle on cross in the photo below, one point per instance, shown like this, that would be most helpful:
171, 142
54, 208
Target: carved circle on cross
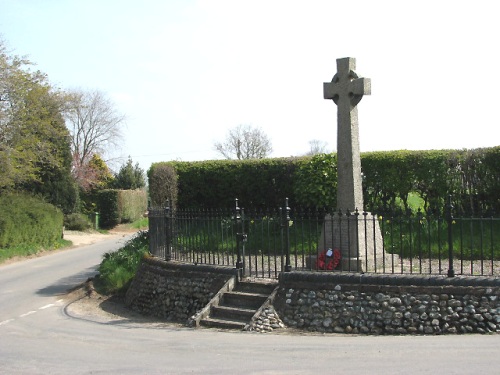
355, 99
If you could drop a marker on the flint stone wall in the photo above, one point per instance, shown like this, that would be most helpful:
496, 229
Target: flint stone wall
329, 301
174, 291
388, 304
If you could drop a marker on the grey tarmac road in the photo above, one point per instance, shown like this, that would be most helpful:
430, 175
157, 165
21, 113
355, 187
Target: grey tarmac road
37, 336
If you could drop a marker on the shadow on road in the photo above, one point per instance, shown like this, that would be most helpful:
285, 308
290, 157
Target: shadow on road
111, 310
62, 286
115, 306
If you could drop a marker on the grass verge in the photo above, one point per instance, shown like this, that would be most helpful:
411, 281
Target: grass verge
119, 267
140, 224
29, 250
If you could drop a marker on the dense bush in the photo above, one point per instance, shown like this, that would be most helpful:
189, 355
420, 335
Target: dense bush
28, 221
107, 205
78, 222
163, 180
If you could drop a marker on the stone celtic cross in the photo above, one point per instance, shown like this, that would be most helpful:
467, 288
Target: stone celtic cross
346, 90
340, 230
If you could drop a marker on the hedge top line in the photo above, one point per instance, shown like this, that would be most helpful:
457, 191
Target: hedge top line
388, 178
402, 152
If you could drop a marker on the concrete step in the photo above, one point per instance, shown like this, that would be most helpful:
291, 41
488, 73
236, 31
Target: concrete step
256, 287
236, 308
232, 313
222, 323
243, 300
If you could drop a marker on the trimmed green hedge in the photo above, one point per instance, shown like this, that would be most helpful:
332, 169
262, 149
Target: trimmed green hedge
107, 205
211, 184
163, 185
315, 181
132, 204
29, 221
120, 206
472, 177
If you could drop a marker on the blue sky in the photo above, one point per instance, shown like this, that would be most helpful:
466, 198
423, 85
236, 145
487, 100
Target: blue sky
185, 72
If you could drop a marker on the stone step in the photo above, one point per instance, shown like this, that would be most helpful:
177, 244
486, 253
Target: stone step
256, 287
222, 323
243, 300
237, 307
231, 313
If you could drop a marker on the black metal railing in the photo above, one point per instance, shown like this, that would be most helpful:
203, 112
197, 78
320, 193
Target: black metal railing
264, 243
158, 220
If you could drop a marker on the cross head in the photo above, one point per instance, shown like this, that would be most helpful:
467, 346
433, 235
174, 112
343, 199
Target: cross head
345, 86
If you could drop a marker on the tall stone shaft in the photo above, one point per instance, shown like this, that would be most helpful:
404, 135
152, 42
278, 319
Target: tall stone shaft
346, 90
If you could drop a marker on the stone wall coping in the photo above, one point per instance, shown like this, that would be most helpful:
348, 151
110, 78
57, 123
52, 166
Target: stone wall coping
184, 267
334, 278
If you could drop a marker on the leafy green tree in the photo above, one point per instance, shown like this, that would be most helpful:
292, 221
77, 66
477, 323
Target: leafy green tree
35, 153
130, 177
16, 165
92, 179
94, 175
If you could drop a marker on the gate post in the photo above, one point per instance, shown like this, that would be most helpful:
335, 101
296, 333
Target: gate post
151, 221
240, 238
168, 232
286, 223
449, 217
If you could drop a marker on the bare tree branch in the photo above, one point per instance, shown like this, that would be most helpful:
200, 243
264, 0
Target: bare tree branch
94, 125
245, 142
317, 147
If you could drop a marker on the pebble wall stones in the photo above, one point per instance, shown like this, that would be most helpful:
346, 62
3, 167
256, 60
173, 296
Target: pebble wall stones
170, 294
341, 310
